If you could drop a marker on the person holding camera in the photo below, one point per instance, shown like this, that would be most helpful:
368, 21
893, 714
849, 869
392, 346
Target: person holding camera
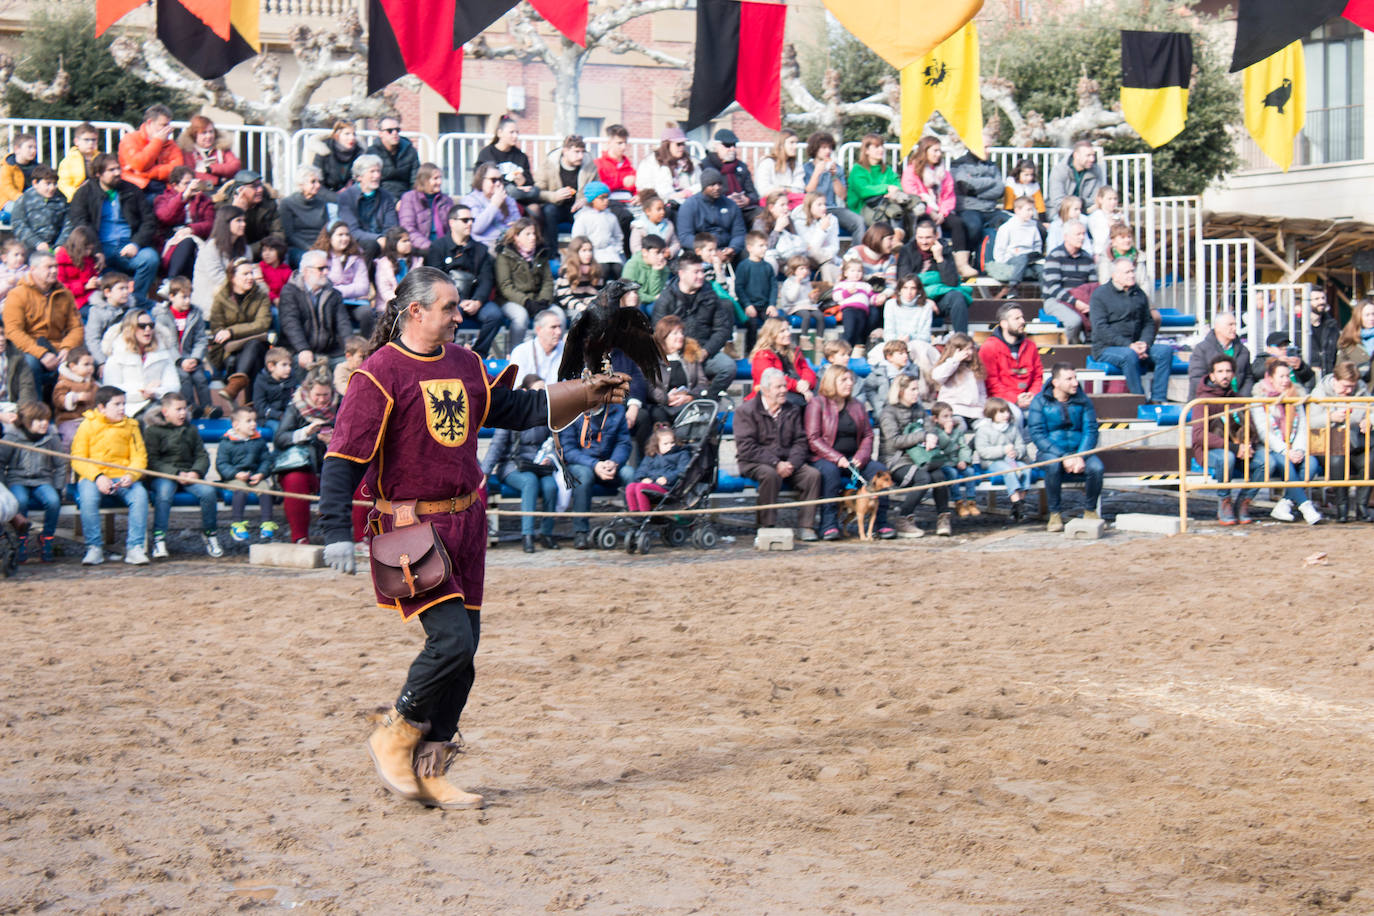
1278, 345
470, 267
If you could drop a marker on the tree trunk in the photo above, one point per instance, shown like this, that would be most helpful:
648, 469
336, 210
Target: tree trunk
567, 91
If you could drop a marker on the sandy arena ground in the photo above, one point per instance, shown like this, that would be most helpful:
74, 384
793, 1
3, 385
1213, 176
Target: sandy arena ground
1009, 725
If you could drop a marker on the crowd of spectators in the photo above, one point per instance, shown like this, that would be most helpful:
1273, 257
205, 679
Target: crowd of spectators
165, 283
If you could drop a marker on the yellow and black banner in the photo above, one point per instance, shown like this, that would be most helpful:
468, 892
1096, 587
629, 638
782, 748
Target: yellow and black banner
1156, 68
945, 80
1275, 100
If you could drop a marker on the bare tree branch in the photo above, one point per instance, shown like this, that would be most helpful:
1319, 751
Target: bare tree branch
604, 23
619, 43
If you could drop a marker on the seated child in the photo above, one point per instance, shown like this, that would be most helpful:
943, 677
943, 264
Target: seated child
175, 447
854, 296
599, 225
14, 266
106, 434
193, 338
244, 455
78, 266
32, 475
275, 384
649, 268
74, 393
654, 223
664, 462
1000, 447
1019, 247
355, 351
273, 267
1021, 184
945, 453
796, 295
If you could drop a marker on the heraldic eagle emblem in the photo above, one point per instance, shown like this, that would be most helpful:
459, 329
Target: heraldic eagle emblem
446, 410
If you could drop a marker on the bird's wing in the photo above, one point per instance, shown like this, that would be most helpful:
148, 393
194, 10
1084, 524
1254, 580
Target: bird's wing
574, 347
635, 338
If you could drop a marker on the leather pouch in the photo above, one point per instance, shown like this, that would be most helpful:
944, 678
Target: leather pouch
410, 559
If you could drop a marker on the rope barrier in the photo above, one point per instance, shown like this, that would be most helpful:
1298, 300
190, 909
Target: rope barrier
718, 510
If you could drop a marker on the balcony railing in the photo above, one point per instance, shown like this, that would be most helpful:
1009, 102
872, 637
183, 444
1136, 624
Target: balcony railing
1329, 135
308, 8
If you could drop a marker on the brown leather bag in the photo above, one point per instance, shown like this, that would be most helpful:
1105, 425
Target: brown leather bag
410, 559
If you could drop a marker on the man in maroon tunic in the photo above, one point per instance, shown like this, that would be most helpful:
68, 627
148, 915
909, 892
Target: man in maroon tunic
407, 430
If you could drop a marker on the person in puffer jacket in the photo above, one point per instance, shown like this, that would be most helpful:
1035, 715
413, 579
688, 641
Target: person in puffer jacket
1000, 448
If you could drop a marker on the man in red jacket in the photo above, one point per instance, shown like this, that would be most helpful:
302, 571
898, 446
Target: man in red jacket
1012, 360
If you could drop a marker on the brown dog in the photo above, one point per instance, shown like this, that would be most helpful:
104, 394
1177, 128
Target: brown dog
861, 504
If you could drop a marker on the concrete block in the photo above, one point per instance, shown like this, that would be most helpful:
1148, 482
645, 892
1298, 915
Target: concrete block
294, 556
773, 539
1084, 529
1147, 524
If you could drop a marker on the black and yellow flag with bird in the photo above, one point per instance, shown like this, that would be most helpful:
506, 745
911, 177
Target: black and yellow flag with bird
1156, 68
1275, 100
945, 80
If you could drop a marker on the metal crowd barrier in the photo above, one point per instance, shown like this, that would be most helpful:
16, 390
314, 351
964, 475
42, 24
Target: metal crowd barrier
1336, 450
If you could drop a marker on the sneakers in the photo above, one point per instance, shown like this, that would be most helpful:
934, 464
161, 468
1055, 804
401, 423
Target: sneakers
46, 548
94, 556
137, 556
267, 530
1226, 512
906, 528
943, 528
212, 548
1283, 511
887, 533
1056, 523
21, 553
806, 534
240, 533
159, 549
1243, 512
1310, 513
830, 534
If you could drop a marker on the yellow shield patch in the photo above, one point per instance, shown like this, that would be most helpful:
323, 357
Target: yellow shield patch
446, 410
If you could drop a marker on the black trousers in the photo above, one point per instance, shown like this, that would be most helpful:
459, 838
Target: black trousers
441, 676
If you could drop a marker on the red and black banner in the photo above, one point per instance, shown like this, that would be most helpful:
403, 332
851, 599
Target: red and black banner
401, 39
738, 59
190, 40
1265, 27
473, 17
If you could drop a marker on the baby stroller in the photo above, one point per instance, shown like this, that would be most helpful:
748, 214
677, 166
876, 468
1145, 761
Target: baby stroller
698, 427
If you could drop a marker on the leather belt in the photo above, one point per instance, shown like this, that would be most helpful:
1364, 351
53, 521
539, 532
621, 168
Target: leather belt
450, 506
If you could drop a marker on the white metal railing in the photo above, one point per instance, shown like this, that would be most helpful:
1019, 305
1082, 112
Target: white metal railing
1282, 307
55, 137
457, 153
1175, 259
1228, 280
265, 150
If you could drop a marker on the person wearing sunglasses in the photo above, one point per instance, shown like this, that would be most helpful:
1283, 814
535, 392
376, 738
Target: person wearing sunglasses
141, 364
400, 160
472, 270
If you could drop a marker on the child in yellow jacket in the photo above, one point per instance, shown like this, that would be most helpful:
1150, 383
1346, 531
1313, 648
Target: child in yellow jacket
106, 434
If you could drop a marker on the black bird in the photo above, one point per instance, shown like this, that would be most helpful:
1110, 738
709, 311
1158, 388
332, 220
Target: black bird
604, 326
1279, 97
